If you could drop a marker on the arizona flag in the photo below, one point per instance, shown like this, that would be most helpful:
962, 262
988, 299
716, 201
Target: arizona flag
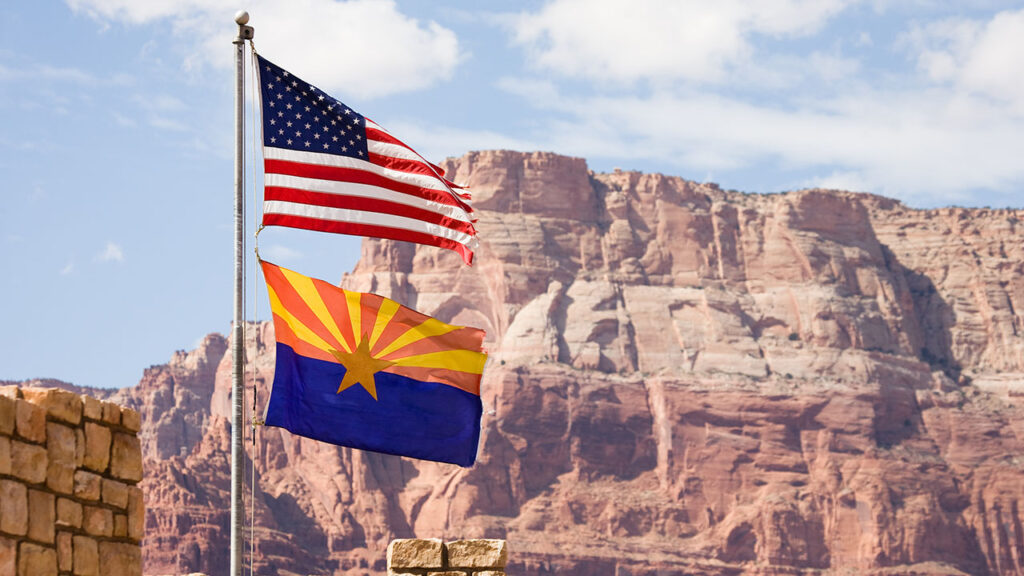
363, 371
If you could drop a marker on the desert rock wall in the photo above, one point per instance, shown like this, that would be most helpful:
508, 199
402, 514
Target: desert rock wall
810, 380
683, 379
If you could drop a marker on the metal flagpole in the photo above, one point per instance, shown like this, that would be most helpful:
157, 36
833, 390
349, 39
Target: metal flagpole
237, 336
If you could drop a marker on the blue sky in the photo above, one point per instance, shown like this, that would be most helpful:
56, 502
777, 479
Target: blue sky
116, 139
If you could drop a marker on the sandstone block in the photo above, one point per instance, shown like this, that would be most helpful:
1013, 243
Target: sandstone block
29, 462
97, 521
120, 525
64, 555
131, 419
60, 452
60, 477
13, 507
41, 516
92, 408
488, 573
120, 559
415, 553
7, 415
5, 454
477, 553
30, 421
60, 442
126, 457
8, 555
86, 557
87, 485
79, 447
136, 513
447, 573
36, 560
111, 413
59, 404
115, 493
69, 513
97, 447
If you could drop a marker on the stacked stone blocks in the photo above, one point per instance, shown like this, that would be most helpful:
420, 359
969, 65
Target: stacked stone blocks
433, 557
70, 504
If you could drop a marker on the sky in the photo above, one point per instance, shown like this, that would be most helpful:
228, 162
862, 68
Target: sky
117, 135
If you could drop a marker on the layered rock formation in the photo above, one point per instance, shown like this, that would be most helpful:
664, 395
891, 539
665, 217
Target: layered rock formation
684, 380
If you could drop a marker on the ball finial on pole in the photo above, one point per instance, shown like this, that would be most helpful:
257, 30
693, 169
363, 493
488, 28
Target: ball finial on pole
244, 32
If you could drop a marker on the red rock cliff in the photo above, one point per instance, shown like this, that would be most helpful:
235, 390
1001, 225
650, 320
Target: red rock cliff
683, 380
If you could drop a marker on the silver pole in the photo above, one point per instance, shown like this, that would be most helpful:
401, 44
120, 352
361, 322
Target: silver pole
237, 334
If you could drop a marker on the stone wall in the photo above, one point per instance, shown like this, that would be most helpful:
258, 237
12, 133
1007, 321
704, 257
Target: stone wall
69, 497
433, 557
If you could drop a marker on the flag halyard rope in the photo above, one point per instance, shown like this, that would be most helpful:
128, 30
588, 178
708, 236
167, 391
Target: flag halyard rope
257, 137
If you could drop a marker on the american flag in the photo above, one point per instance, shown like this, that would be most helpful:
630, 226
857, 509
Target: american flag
331, 169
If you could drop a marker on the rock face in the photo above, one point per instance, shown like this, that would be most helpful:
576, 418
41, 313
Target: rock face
684, 380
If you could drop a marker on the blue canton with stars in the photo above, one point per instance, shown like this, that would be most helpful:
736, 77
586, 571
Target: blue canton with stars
299, 116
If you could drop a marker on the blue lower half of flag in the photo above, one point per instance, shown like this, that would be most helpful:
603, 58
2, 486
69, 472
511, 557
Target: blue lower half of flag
425, 420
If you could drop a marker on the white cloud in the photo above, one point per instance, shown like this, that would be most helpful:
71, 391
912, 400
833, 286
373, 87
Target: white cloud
658, 40
978, 57
792, 108
849, 180
367, 47
995, 61
779, 73
68, 269
111, 253
938, 45
918, 146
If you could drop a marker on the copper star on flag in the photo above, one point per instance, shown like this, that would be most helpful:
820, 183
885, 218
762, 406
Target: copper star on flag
360, 366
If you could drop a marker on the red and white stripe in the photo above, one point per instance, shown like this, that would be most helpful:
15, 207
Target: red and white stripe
393, 194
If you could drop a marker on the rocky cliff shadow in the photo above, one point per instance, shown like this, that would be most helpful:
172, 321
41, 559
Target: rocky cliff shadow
927, 319
301, 527
933, 315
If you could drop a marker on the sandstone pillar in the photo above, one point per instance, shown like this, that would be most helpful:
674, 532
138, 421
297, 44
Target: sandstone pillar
433, 557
